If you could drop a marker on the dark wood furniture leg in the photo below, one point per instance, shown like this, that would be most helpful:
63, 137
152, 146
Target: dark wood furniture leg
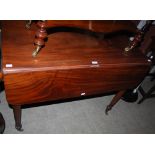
40, 36
115, 99
17, 115
2, 124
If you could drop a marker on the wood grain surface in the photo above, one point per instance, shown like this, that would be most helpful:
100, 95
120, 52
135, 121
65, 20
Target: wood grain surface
103, 27
65, 68
1, 75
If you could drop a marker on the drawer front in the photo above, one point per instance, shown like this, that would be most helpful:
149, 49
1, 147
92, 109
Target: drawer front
24, 88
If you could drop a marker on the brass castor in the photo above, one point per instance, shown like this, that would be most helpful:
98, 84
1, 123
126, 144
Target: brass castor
28, 24
36, 51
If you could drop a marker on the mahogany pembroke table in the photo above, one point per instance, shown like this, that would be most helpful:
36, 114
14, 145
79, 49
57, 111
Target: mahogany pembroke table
70, 65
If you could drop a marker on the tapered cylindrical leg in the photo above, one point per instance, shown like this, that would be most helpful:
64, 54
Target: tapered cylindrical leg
2, 124
17, 116
115, 99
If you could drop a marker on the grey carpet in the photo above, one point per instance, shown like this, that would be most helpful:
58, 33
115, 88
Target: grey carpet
84, 116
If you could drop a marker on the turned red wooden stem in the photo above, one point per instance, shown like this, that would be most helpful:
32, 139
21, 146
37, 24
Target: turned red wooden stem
41, 34
140, 35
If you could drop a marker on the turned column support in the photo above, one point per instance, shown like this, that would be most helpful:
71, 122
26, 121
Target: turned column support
138, 38
40, 36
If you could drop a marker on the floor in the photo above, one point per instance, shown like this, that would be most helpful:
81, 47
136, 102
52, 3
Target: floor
84, 117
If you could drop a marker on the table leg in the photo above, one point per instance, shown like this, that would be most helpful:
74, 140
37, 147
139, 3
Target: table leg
17, 116
2, 124
115, 99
